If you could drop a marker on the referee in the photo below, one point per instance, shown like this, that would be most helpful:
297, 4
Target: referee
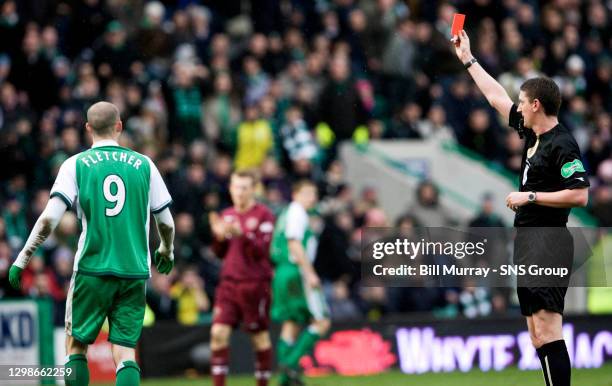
552, 181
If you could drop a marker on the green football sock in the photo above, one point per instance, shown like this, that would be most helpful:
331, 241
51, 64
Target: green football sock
305, 343
79, 375
128, 374
282, 350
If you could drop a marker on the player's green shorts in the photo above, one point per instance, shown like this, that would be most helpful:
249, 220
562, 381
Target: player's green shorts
92, 299
292, 300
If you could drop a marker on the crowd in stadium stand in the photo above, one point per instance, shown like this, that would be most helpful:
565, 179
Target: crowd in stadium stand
275, 85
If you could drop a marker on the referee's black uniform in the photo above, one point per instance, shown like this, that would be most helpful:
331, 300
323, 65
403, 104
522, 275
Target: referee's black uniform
551, 162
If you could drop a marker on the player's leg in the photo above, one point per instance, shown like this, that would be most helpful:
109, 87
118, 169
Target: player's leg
225, 317
289, 308
262, 346
87, 303
255, 309
125, 326
306, 341
128, 372
76, 362
318, 327
220, 334
547, 338
290, 330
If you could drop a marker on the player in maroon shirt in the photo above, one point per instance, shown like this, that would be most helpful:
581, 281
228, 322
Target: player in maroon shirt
242, 237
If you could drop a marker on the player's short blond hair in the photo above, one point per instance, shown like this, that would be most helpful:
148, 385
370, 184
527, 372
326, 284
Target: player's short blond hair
247, 173
303, 183
102, 117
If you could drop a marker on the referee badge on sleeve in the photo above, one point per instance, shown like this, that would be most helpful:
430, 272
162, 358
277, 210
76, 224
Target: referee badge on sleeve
570, 168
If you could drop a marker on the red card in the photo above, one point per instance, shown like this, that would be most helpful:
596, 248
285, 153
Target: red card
457, 26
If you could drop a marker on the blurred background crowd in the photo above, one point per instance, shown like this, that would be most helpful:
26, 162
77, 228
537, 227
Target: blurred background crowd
206, 87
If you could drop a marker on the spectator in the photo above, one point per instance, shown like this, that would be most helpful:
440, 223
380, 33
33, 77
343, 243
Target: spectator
398, 62
486, 217
193, 305
434, 126
190, 192
406, 125
480, 136
339, 104
255, 140
513, 80
600, 143
116, 55
5, 262
14, 218
152, 41
457, 105
183, 96
427, 210
222, 113
291, 79
332, 262
31, 72
256, 81
159, 298
298, 141
186, 245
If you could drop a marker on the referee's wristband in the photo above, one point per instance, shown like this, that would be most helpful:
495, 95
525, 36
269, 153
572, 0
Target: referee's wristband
470, 62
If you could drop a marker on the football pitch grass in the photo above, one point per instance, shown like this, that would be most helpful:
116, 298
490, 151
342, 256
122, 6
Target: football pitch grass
508, 377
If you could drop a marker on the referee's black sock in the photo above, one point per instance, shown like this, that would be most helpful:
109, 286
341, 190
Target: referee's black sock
555, 363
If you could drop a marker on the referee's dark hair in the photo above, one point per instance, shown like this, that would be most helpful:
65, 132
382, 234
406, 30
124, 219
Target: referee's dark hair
546, 91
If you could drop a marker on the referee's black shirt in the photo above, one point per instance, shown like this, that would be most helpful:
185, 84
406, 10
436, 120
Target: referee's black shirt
555, 165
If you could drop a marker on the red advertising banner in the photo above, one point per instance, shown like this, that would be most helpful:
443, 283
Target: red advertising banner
351, 352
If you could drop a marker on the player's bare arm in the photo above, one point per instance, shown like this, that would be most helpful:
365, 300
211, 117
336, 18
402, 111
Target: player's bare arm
196, 284
46, 223
165, 253
299, 254
494, 92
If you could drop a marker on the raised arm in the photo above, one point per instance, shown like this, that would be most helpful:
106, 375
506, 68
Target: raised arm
494, 92
45, 224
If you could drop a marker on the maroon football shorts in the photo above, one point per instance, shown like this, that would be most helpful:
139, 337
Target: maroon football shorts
243, 301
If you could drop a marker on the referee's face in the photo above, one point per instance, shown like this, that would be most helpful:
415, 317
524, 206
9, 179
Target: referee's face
525, 107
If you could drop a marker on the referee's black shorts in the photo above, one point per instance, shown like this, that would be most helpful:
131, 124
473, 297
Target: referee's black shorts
543, 247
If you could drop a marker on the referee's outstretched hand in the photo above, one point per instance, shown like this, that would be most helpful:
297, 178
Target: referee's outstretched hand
462, 46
